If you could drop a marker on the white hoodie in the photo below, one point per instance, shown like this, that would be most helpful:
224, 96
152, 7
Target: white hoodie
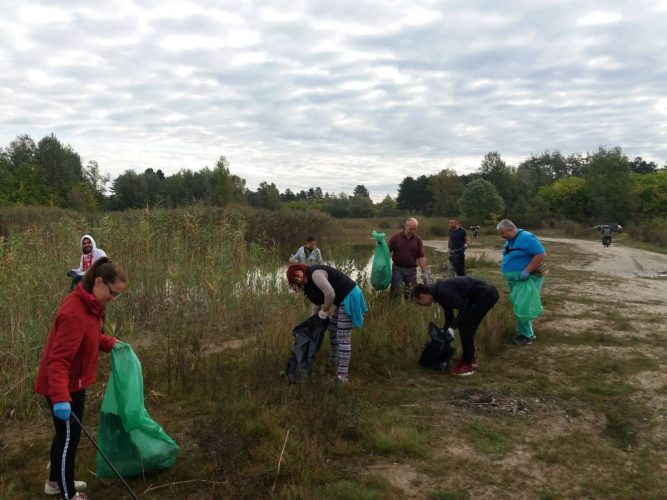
97, 253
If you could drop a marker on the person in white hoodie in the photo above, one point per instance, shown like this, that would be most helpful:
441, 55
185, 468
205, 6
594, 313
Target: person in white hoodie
90, 253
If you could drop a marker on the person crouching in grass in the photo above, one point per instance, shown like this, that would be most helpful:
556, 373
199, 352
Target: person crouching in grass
472, 299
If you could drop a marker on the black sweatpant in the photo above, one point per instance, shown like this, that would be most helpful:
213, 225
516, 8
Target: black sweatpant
458, 260
481, 302
64, 445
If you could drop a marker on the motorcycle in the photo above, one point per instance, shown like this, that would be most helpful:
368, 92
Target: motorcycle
606, 240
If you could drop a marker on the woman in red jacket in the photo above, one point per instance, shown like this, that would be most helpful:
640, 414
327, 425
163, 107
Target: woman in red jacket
69, 363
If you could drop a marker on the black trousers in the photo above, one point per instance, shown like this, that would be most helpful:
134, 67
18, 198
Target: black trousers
64, 445
458, 260
481, 302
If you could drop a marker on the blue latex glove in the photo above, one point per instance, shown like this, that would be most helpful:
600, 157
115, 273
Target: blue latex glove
71, 273
524, 275
62, 410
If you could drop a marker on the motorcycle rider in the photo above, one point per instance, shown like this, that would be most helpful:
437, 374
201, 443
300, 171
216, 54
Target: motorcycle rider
605, 233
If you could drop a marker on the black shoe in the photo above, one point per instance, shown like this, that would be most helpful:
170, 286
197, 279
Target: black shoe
523, 340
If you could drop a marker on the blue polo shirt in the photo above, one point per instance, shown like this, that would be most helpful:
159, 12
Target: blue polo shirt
520, 251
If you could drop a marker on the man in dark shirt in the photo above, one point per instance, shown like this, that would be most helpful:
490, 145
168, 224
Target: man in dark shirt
407, 250
458, 242
472, 299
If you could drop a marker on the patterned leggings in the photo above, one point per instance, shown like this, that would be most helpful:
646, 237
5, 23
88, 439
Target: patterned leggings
340, 334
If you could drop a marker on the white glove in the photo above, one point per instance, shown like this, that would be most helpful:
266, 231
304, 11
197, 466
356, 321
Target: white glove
426, 276
323, 314
450, 330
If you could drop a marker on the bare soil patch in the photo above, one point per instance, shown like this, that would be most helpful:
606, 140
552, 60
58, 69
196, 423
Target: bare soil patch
489, 403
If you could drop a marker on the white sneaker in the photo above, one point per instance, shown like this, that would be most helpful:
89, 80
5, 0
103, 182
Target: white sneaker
52, 488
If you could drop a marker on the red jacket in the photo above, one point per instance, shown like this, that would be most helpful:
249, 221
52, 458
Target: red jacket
69, 360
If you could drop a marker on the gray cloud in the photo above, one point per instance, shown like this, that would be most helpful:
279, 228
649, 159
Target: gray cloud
334, 94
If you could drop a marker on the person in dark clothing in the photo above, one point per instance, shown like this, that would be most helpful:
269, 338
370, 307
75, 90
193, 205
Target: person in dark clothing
472, 299
458, 242
325, 286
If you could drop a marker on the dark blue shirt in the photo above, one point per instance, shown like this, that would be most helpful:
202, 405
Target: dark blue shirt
457, 238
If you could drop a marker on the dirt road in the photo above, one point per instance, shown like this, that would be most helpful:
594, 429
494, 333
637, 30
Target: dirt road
617, 260
620, 261
641, 275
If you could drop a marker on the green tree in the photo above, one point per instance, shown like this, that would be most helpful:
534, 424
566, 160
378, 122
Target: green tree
224, 187
23, 181
337, 206
541, 170
96, 180
387, 207
567, 197
154, 188
361, 190
361, 206
608, 176
494, 169
639, 166
481, 202
650, 194
129, 191
288, 195
267, 196
61, 166
445, 189
82, 197
413, 194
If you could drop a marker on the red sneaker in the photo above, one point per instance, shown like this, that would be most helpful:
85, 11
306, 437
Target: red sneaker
463, 369
473, 364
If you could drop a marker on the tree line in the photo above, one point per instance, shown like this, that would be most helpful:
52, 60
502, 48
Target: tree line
603, 186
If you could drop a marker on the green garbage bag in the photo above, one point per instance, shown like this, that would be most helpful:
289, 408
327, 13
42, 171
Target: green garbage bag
525, 299
127, 434
381, 270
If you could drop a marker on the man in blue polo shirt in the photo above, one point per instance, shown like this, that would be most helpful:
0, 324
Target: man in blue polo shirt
522, 256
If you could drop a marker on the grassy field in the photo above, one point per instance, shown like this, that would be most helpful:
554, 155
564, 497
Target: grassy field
582, 413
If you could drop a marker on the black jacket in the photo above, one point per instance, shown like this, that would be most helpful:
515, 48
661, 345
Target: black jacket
458, 293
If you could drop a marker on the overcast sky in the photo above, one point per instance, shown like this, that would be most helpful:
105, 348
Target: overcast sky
334, 93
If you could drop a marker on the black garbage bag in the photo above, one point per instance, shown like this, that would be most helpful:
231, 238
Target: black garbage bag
438, 350
308, 337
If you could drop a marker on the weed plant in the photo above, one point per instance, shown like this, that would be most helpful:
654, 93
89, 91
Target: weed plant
209, 314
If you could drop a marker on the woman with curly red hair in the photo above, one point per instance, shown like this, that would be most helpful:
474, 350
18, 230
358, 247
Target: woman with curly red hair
325, 287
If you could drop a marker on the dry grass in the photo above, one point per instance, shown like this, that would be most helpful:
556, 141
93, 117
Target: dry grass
567, 417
